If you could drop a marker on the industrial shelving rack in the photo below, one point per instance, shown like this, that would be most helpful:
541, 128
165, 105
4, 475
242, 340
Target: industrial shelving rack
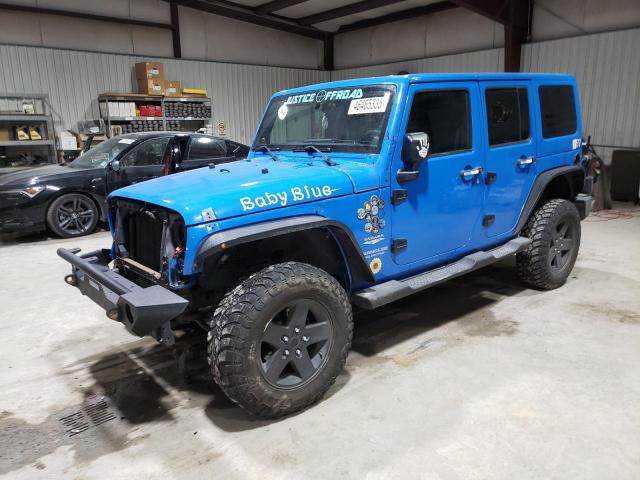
12, 115
185, 123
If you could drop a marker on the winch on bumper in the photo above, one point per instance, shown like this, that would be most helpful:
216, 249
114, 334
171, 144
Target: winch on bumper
142, 310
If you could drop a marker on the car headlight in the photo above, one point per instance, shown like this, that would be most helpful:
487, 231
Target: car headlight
30, 191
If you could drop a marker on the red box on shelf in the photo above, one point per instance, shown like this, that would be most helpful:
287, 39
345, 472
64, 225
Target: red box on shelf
144, 111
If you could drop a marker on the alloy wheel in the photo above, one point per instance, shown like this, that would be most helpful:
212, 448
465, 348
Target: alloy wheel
75, 216
295, 344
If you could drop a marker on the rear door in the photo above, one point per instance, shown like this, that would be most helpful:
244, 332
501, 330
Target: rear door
203, 150
443, 205
511, 153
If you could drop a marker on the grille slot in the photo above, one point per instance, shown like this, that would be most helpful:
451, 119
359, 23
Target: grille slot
143, 234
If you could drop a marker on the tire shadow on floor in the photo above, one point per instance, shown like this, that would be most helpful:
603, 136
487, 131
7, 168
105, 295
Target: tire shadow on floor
463, 298
139, 379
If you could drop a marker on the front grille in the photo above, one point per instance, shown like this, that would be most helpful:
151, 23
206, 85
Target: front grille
143, 238
147, 234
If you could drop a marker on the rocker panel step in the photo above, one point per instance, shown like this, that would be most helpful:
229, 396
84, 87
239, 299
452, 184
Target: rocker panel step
387, 292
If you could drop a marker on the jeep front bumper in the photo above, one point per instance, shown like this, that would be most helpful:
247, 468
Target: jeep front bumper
142, 310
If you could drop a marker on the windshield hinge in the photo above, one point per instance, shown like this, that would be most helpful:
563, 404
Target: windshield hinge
398, 196
399, 245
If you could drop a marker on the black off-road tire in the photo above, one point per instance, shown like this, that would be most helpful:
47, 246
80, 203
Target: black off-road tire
60, 213
548, 260
255, 313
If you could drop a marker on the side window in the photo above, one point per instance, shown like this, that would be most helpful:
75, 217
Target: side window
202, 148
445, 116
507, 115
151, 152
558, 110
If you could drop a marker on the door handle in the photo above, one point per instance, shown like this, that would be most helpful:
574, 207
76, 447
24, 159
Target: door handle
470, 173
523, 162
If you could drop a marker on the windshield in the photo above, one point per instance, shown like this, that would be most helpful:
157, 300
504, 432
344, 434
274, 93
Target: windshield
342, 120
101, 155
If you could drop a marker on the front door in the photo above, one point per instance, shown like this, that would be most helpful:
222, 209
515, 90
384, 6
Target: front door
444, 204
511, 153
143, 162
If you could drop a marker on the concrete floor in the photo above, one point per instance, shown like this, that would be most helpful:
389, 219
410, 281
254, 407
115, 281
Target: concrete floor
479, 378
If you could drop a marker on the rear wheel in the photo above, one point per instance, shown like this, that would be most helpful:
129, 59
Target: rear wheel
554, 230
280, 338
72, 215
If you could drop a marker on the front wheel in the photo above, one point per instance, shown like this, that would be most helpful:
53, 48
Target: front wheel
280, 338
72, 215
554, 230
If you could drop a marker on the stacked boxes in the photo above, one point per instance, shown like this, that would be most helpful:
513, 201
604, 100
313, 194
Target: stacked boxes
150, 78
171, 88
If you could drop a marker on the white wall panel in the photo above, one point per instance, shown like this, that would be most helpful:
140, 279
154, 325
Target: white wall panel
203, 36
212, 37
482, 61
74, 79
554, 19
607, 68
444, 33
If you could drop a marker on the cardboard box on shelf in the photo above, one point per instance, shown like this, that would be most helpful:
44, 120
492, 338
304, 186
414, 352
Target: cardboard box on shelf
149, 86
171, 88
194, 91
67, 141
149, 71
5, 134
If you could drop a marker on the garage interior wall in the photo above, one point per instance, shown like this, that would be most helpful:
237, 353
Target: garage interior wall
73, 80
203, 36
606, 66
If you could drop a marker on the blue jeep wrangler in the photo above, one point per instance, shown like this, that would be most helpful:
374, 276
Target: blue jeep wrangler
356, 192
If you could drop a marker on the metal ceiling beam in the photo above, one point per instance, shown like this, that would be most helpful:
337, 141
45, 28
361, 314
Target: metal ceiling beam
516, 32
350, 9
84, 16
276, 5
515, 15
175, 26
396, 16
229, 10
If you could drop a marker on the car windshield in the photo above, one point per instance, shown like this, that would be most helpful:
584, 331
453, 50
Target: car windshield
350, 119
101, 155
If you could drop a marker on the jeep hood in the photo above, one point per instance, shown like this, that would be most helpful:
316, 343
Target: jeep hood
240, 188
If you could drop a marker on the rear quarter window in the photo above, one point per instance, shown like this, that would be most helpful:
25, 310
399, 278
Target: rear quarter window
557, 110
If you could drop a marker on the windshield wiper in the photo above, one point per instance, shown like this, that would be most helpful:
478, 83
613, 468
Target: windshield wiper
312, 148
264, 148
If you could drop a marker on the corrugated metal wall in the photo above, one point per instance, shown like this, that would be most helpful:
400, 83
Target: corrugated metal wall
607, 67
74, 79
480, 61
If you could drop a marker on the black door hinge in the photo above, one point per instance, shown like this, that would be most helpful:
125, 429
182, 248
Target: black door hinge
398, 196
398, 245
488, 220
490, 178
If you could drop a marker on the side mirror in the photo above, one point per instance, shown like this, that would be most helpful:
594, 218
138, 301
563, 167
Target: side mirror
115, 166
415, 149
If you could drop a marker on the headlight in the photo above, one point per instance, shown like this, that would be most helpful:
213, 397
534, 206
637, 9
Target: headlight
30, 191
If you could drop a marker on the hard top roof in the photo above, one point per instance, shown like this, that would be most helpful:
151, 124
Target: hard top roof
431, 77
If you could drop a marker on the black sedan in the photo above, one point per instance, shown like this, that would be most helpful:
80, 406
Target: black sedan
70, 199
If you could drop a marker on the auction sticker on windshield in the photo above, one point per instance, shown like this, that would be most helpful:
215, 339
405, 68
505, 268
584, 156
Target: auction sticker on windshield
368, 105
